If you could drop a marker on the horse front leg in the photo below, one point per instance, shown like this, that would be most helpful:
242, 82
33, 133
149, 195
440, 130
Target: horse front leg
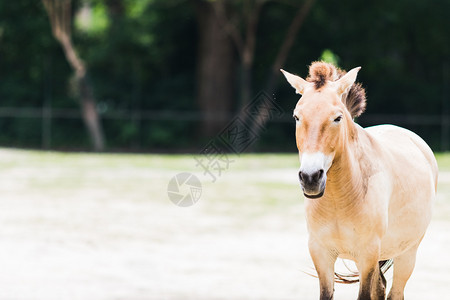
323, 259
372, 282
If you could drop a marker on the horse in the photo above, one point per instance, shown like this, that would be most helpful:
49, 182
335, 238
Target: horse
368, 191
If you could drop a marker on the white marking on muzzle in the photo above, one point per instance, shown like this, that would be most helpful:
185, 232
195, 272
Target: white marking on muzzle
313, 162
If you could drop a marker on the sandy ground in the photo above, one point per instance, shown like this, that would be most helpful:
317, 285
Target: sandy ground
92, 242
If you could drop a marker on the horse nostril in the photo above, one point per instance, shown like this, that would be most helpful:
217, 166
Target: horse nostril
301, 176
317, 175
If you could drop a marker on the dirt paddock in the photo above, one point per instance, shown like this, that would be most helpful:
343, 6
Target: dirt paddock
79, 226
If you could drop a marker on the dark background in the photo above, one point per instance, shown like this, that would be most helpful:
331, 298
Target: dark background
168, 75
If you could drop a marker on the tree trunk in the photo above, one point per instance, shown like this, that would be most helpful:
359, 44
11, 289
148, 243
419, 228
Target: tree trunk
59, 13
90, 115
86, 94
216, 70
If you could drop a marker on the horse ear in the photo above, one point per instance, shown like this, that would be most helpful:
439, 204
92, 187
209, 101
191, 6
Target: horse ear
344, 84
298, 83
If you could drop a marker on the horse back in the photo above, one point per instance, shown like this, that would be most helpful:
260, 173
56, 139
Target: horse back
405, 150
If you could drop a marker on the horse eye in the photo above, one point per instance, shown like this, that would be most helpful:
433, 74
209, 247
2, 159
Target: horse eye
296, 118
338, 119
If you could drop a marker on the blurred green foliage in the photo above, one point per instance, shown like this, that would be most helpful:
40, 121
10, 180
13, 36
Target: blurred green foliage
141, 55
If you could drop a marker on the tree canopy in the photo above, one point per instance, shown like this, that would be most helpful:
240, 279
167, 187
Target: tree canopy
168, 75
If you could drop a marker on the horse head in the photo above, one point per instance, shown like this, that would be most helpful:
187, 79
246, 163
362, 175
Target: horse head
324, 120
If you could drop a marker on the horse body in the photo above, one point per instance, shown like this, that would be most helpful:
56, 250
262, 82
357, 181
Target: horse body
380, 183
413, 172
395, 200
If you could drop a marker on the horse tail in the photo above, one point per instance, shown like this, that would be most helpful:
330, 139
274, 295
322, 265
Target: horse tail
353, 277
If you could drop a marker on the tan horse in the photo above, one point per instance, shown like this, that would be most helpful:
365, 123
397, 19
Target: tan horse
369, 192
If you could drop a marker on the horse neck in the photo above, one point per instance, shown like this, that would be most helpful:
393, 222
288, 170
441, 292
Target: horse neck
347, 178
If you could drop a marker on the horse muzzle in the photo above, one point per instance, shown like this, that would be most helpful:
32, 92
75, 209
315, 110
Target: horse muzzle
313, 183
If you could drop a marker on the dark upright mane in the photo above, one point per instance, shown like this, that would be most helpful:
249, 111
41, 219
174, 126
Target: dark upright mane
354, 100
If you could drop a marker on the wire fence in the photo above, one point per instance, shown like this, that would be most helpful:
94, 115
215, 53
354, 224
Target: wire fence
436, 125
